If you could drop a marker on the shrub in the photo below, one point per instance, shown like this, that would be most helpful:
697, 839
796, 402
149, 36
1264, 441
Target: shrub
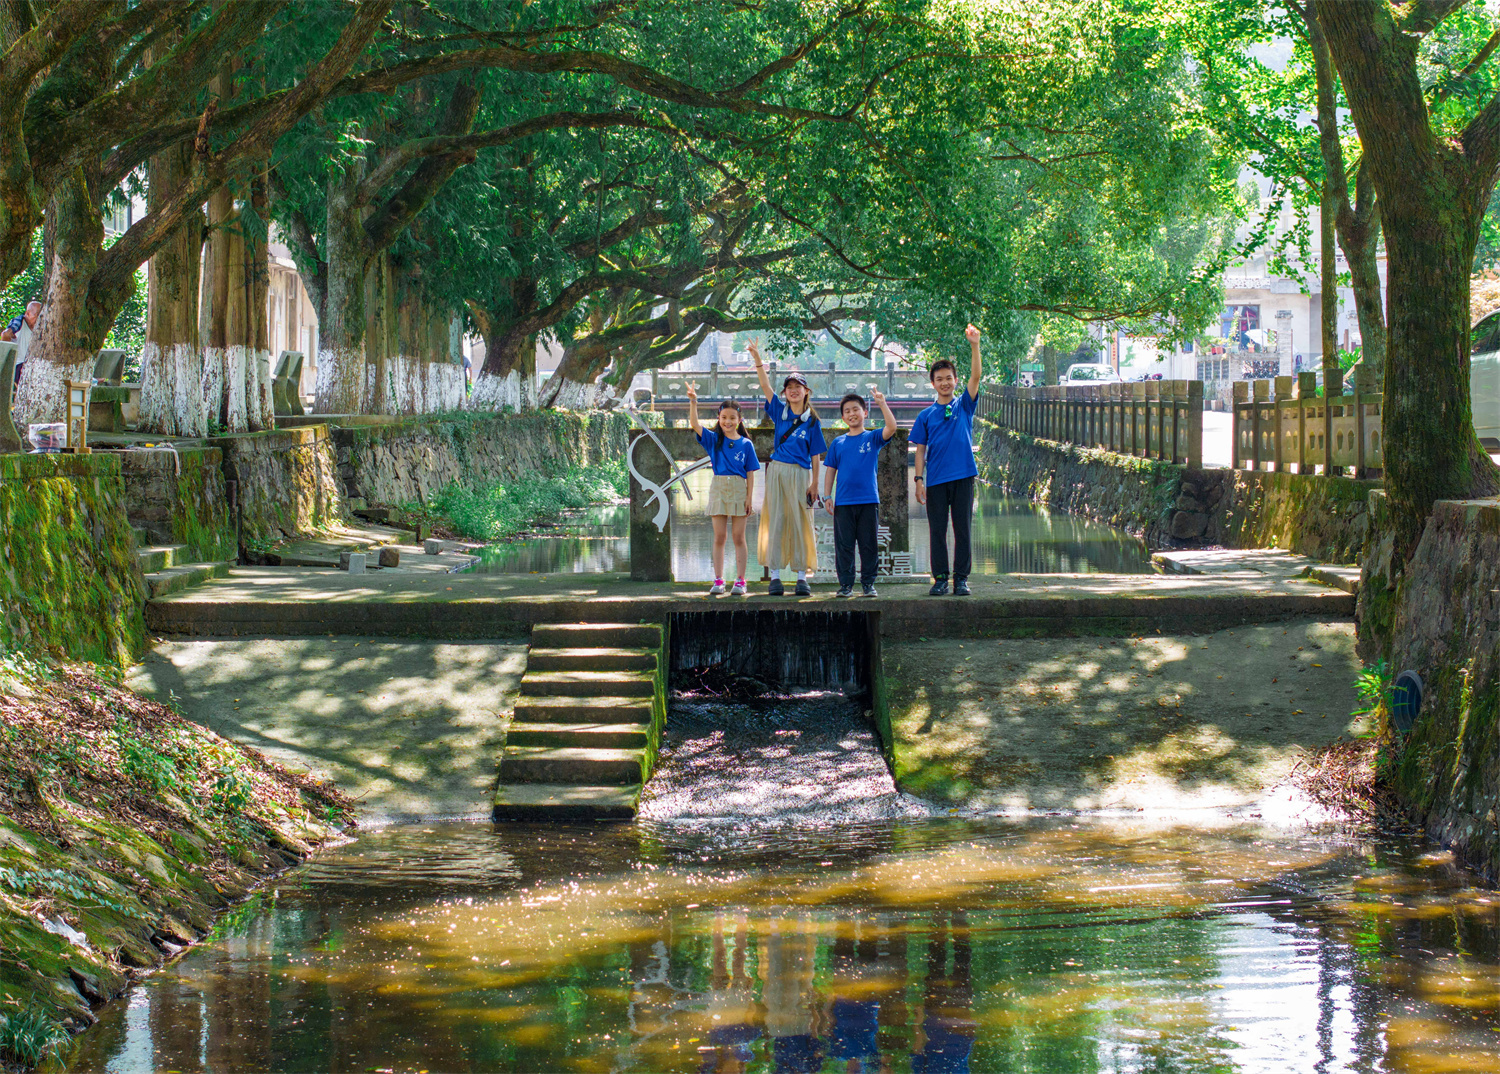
28, 1036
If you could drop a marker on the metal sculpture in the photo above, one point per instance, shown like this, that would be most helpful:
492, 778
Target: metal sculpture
658, 492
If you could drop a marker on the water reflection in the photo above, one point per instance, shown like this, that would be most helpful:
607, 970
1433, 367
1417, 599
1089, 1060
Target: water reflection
1010, 536
933, 944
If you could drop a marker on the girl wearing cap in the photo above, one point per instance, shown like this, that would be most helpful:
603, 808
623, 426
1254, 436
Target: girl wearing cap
730, 491
786, 524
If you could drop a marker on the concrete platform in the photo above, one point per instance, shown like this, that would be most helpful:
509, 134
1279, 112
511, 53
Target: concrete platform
264, 601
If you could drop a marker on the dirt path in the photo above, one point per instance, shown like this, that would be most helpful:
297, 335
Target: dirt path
1162, 723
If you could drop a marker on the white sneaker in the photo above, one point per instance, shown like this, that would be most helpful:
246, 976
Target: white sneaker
739, 588
716, 590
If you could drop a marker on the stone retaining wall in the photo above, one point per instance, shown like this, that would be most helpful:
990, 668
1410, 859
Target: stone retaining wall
286, 481
1443, 621
1173, 506
180, 498
69, 580
413, 461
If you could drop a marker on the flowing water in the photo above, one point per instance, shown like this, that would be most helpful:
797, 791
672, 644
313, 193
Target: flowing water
1010, 536
781, 907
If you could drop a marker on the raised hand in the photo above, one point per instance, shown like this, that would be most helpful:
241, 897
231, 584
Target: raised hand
877, 396
692, 390
755, 351
971, 334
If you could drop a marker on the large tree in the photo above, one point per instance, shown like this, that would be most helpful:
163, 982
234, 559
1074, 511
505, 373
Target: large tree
1433, 171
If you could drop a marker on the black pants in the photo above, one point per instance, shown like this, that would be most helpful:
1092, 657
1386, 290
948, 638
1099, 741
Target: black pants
855, 523
955, 498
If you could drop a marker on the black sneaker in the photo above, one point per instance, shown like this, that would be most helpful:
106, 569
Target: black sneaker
803, 589
869, 589
939, 587
960, 587
846, 591
774, 589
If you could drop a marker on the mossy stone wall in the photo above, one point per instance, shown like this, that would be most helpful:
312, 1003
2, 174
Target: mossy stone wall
70, 583
1442, 620
180, 498
413, 461
286, 481
1170, 505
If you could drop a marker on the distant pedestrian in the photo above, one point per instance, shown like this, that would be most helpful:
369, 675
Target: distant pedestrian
944, 436
20, 331
852, 460
468, 375
733, 485
786, 525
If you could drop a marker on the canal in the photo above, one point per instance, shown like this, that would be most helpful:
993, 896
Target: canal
780, 906
1010, 536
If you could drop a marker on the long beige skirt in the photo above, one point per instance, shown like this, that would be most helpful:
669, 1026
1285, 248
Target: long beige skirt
786, 537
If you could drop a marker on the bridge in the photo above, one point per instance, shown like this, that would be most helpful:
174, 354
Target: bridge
906, 390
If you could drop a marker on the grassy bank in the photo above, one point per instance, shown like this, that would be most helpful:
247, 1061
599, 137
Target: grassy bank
124, 829
500, 511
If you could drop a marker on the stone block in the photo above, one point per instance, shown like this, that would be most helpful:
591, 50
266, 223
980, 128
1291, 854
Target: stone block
1188, 525
353, 562
432, 546
390, 556
1186, 502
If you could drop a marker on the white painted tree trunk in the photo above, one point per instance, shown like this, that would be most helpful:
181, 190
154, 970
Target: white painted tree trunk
511, 391
343, 384
172, 390
237, 417
263, 413
42, 395
573, 395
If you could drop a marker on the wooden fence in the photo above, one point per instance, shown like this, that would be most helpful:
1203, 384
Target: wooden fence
1154, 419
1283, 423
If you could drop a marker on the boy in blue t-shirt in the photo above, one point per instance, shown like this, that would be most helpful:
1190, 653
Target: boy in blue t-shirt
852, 459
944, 436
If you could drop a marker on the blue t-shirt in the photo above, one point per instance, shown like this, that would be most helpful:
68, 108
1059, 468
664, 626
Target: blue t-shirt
949, 439
735, 459
805, 439
855, 457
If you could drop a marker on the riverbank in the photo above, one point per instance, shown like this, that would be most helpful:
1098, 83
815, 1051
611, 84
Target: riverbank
124, 830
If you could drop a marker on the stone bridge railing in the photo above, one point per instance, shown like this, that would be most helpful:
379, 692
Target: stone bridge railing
1283, 422
827, 385
1154, 419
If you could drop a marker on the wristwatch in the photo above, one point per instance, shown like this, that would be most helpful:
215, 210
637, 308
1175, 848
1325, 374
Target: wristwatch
920, 478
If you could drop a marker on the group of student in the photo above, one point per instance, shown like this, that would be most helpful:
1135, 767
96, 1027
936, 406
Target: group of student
943, 434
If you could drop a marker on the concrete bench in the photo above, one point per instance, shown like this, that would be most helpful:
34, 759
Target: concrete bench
10, 436
286, 385
109, 366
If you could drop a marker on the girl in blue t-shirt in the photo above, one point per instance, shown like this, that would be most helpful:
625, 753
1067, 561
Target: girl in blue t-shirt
786, 538
732, 487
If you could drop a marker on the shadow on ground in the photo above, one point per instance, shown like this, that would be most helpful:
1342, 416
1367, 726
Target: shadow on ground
410, 729
1144, 723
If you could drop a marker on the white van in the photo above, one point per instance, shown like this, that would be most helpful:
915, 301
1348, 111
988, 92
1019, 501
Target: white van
1091, 373
1484, 381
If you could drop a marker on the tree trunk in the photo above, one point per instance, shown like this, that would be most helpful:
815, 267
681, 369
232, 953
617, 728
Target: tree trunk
260, 401
575, 383
67, 334
1359, 235
1432, 199
341, 335
172, 369
223, 384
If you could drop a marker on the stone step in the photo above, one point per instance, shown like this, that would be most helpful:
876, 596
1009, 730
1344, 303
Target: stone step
566, 801
176, 579
591, 660
628, 736
583, 710
588, 684
612, 635
571, 764
159, 557
142, 536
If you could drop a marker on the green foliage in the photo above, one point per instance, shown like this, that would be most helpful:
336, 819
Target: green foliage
129, 330
498, 511
78, 890
29, 1036
1373, 685
145, 761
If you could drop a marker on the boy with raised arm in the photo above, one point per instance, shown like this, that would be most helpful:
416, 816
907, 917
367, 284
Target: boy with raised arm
786, 536
944, 436
851, 460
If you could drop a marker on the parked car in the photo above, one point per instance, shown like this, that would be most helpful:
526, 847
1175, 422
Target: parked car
1091, 373
1484, 381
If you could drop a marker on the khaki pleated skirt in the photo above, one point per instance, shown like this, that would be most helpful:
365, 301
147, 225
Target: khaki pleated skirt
726, 495
786, 537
